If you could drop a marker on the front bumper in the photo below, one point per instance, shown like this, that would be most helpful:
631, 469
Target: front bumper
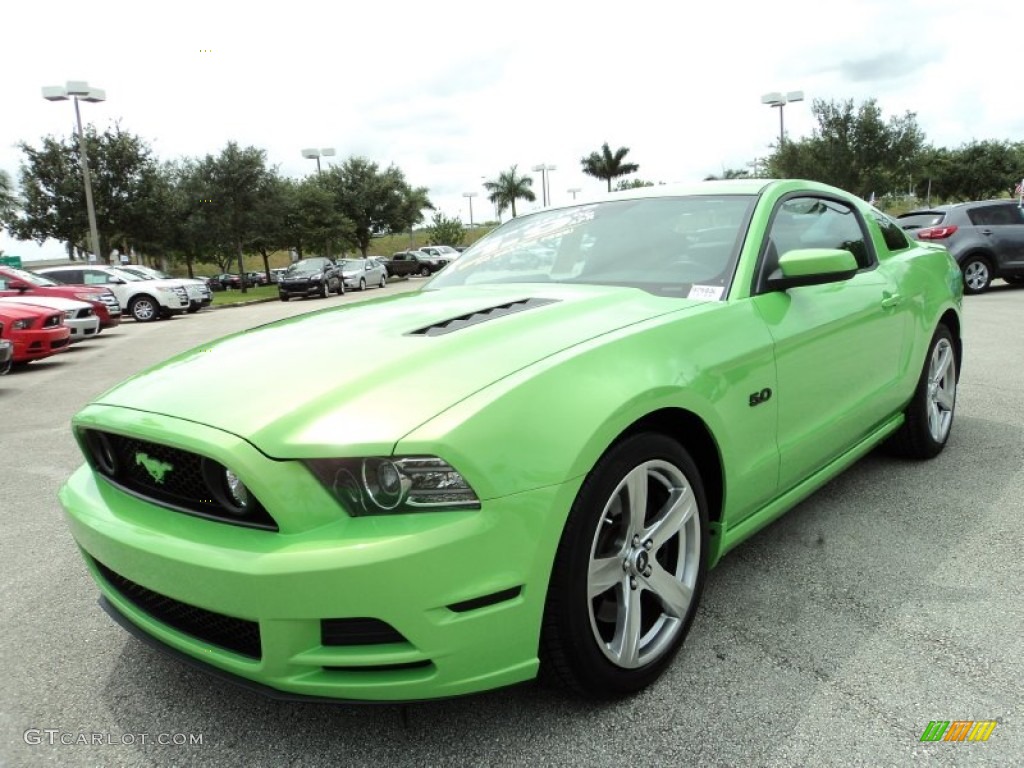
300, 288
462, 591
82, 327
39, 343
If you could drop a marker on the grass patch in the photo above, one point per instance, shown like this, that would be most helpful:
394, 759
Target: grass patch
236, 296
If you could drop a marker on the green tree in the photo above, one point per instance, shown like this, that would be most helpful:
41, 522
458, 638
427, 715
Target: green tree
374, 202
608, 165
125, 185
445, 231
235, 185
624, 184
8, 201
509, 187
854, 148
729, 173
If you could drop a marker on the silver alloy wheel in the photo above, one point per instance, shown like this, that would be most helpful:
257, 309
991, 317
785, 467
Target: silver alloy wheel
143, 309
383, 280
976, 275
644, 563
941, 390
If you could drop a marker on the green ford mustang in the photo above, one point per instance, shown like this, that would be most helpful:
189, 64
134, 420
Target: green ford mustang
527, 466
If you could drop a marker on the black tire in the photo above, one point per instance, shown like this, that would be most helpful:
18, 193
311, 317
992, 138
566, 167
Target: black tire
284, 297
929, 416
144, 309
362, 283
192, 309
325, 289
383, 281
977, 273
575, 648
340, 290
424, 271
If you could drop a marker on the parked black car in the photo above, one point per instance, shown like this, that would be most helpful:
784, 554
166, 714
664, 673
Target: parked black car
986, 238
317, 276
406, 263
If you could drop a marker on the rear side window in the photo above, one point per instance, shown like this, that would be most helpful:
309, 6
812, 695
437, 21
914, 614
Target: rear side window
893, 235
995, 215
69, 276
921, 219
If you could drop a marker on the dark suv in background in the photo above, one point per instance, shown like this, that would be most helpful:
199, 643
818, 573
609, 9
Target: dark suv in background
986, 238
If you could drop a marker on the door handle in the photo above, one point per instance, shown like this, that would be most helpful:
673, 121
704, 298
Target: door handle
985, 231
892, 301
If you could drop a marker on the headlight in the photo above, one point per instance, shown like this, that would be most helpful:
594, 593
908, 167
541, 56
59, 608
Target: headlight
21, 325
69, 315
90, 297
228, 491
384, 484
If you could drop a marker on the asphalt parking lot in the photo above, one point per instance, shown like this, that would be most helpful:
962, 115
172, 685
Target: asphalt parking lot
890, 599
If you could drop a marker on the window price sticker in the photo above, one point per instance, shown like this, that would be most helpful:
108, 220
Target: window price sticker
706, 292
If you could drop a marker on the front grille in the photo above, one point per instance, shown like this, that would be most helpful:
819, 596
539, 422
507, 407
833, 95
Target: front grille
238, 635
60, 343
86, 312
177, 479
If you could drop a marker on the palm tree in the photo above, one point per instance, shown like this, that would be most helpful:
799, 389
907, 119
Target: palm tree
729, 173
508, 188
607, 165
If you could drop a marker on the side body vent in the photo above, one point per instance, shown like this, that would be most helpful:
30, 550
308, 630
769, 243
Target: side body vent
480, 316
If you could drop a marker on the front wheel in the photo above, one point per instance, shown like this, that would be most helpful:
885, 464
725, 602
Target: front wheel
629, 570
324, 289
144, 309
383, 281
425, 272
929, 417
977, 274
362, 284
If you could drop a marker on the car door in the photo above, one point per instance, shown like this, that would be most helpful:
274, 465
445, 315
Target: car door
1001, 227
838, 346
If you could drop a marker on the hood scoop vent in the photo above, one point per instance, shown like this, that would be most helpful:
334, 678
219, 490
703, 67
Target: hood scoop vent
480, 316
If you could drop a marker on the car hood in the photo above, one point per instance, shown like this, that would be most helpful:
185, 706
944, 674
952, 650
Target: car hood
22, 311
363, 376
49, 302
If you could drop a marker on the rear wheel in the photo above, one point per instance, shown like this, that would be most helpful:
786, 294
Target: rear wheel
144, 309
324, 289
929, 417
977, 274
284, 296
629, 570
362, 283
425, 272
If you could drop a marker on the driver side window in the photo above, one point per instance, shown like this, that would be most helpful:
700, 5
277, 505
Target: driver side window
812, 222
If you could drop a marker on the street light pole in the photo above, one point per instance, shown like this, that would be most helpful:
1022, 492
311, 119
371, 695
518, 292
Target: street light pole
544, 170
311, 154
780, 100
469, 196
76, 89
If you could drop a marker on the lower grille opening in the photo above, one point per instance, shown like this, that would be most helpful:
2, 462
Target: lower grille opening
383, 667
482, 602
237, 635
335, 632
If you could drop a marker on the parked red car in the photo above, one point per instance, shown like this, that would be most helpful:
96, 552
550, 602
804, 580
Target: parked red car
35, 332
18, 282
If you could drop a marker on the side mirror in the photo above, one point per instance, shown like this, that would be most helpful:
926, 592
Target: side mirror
812, 266
18, 285
116, 280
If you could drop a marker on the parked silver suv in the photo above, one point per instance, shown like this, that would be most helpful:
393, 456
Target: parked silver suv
986, 238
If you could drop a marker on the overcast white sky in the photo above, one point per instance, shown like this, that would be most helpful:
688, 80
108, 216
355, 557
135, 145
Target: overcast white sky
453, 91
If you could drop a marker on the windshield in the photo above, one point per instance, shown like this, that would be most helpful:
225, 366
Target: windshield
921, 219
308, 265
664, 245
127, 276
30, 277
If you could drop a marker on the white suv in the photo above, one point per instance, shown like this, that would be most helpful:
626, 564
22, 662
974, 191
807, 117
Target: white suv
199, 294
145, 300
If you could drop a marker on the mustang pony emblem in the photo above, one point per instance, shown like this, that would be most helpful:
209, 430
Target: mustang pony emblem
157, 469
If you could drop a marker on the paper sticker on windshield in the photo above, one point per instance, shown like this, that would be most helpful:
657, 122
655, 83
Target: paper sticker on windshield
707, 292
